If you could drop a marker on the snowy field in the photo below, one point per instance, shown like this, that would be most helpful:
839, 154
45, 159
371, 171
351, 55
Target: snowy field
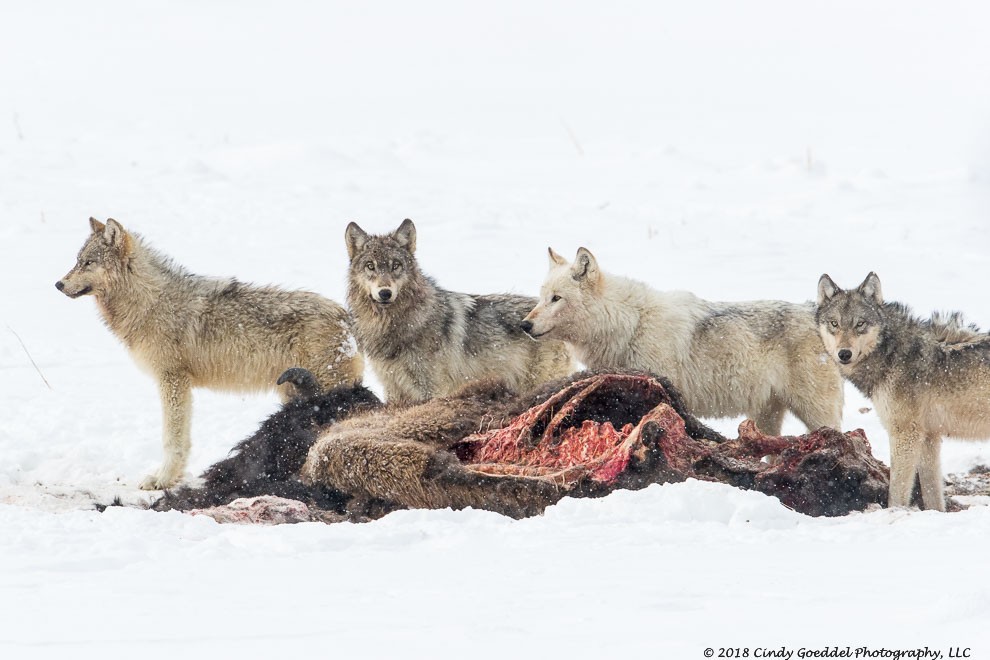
738, 150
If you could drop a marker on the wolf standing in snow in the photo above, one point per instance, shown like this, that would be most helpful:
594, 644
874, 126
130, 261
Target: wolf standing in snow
759, 359
424, 341
191, 331
927, 378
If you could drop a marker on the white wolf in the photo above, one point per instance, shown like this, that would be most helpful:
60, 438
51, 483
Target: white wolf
758, 359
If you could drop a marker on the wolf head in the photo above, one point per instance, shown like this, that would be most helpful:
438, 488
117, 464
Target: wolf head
100, 262
849, 321
381, 266
567, 293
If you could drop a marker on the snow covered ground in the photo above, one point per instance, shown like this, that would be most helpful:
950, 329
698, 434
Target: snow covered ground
735, 149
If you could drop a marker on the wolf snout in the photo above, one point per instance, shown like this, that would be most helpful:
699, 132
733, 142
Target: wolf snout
385, 295
60, 285
527, 327
845, 355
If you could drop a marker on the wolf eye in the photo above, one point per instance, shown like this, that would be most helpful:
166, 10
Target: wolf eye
555, 298
860, 324
370, 266
87, 263
834, 324
396, 266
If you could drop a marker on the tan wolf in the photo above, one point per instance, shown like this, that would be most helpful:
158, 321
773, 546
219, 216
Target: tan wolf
758, 359
927, 378
192, 331
424, 341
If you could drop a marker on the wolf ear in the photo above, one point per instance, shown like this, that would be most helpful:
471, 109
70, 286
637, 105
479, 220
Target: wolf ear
355, 238
585, 267
406, 235
871, 288
96, 226
826, 289
114, 234
555, 259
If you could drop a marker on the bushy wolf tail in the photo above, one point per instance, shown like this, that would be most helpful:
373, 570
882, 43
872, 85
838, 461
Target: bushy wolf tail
267, 462
951, 328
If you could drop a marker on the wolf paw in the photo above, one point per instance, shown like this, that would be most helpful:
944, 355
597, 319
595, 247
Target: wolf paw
158, 481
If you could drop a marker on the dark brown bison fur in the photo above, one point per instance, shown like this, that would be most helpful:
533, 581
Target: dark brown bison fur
398, 450
392, 457
486, 447
822, 473
268, 462
409, 457
585, 436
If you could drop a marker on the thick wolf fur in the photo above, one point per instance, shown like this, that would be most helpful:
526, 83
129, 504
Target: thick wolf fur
424, 341
927, 378
191, 331
758, 359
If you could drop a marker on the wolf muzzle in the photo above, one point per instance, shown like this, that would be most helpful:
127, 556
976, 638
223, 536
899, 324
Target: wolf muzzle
60, 285
527, 327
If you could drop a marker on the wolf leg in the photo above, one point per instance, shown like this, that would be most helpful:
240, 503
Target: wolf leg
930, 472
339, 366
770, 418
176, 395
817, 398
905, 451
823, 413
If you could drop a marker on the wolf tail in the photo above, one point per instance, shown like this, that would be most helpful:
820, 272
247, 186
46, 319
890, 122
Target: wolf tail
952, 329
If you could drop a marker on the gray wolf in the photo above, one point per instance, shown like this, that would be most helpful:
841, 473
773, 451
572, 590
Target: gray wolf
268, 462
927, 378
758, 359
192, 331
424, 341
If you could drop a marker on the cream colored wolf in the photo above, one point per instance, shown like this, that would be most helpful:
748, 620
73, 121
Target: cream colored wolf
758, 359
927, 378
191, 331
